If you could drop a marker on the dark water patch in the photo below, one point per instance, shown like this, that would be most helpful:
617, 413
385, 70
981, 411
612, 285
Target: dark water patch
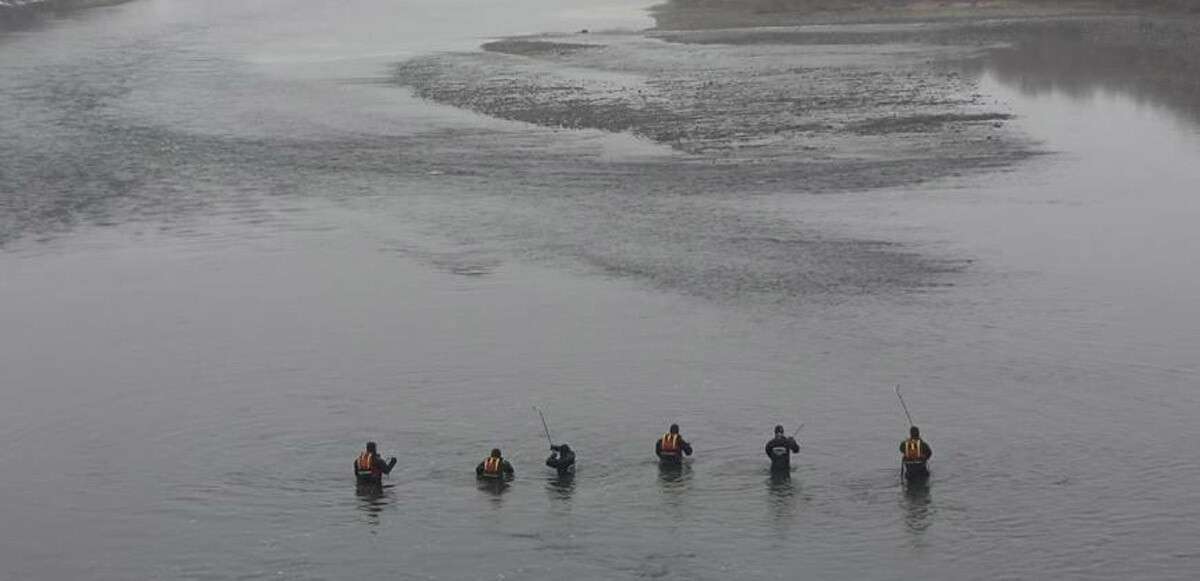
526, 47
925, 123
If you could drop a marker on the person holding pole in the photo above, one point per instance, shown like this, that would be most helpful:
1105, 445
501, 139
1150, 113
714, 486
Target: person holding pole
780, 450
562, 458
915, 452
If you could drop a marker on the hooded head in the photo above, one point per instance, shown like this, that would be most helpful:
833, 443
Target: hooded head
778, 430
495, 452
371, 447
914, 432
564, 448
674, 428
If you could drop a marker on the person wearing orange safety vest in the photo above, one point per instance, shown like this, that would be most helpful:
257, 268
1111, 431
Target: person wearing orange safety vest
369, 468
671, 447
495, 467
916, 453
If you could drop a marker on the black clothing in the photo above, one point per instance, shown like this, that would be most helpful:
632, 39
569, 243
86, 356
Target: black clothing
506, 470
375, 474
684, 448
780, 450
562, 459
917, 469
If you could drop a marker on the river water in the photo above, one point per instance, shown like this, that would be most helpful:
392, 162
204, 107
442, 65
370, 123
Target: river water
233, 252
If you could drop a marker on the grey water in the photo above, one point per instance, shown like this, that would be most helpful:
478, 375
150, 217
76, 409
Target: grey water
233, 252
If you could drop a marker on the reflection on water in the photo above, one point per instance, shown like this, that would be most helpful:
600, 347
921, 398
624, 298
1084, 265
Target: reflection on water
918, 506
781, 500
674, 481
1153, 61
372, 499
495, 489
561, 486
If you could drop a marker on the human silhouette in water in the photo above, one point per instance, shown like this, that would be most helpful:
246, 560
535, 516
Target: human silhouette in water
916, 454
369, 467
671, 447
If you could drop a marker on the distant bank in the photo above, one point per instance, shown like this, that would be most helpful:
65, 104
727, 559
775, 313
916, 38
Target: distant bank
707, 14
16, 13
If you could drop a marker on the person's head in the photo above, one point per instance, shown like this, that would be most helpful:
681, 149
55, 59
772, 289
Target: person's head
564, 448
914, 432
674, 428
778, 430
495, 452
371, 447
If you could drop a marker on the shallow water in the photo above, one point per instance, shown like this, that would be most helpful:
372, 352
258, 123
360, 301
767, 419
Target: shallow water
233, 253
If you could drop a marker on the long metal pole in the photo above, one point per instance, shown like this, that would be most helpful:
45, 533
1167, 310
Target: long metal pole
544, 426
910, 420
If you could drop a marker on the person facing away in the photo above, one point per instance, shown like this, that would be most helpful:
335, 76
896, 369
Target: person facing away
671, 447
495, 467
780, 450
369, 468
562, 458
916, 453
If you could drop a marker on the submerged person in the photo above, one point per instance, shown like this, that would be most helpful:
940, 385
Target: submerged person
369, 468
495, 467
916, 453
780, 450
562, 459
671, 447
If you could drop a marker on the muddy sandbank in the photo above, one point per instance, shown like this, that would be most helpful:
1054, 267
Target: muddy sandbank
18, 13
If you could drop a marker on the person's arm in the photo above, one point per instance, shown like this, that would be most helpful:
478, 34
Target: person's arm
901, 447
687, 448
479, 469
555, 448
658, 447
794, 445
508, 469
552, 461
926, 449
385, 467
770, 446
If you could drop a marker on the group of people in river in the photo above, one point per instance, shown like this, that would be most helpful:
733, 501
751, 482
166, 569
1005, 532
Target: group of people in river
671, 448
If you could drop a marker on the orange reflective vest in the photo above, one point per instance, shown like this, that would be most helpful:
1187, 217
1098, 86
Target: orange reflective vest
366, 463
492, 466
670, 443
912, 449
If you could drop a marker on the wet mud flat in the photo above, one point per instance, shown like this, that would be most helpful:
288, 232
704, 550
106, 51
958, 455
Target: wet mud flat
798, 109
18, 13
742, 120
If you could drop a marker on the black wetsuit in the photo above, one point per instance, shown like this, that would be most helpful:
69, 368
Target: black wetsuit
676, 457
780, 452
506, 471
374, 475
917, 469
562, 460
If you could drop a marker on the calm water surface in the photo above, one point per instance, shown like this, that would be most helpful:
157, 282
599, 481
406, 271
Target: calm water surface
232, 255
